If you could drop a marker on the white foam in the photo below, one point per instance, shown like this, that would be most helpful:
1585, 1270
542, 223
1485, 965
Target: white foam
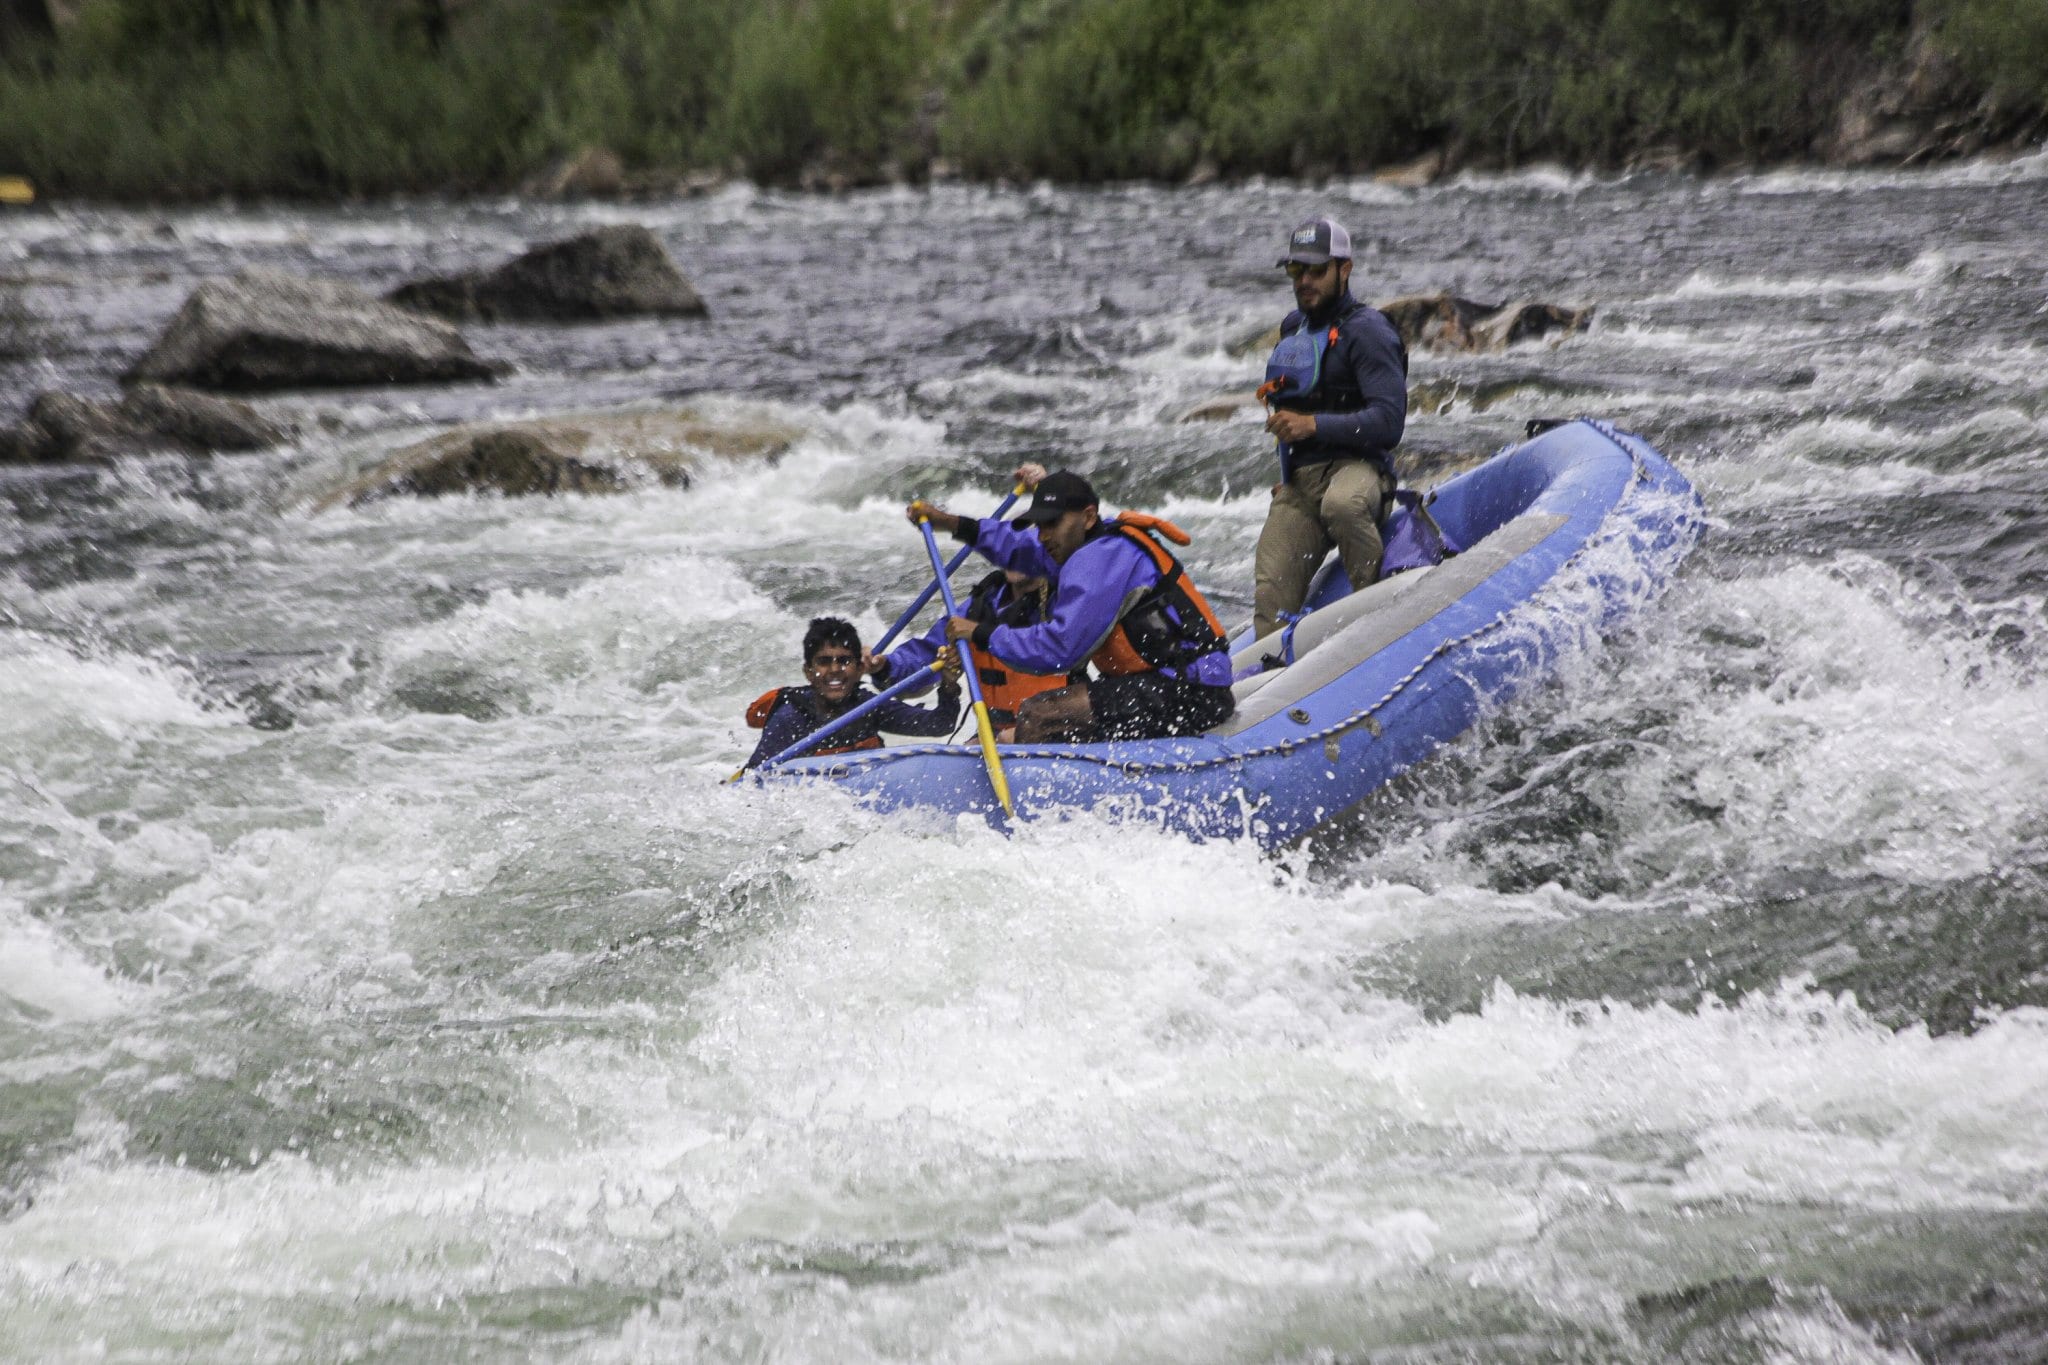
1925, 270
1087, 1087
1543, 178
1977, 171
1848, 722
593, 646
46, 688
1834, 460
44, 978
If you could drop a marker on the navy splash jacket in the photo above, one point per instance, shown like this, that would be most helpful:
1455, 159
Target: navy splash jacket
791, 720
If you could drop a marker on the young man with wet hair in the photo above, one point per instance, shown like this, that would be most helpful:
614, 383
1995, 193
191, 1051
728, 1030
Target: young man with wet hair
1337, 388
832, 668
1121, 602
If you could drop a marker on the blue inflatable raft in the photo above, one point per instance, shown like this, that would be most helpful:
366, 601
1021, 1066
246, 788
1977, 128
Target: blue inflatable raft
1567, 535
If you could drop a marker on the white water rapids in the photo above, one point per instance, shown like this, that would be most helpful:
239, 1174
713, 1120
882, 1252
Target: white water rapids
386, 975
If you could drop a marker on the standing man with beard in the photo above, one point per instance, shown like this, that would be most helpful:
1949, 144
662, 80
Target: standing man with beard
1338, 390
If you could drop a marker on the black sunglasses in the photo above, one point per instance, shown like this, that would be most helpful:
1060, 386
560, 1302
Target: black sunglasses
1296, 269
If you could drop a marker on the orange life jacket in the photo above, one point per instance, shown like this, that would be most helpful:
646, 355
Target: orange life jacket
764, 705
1005, 689
1002, 687
1146, 635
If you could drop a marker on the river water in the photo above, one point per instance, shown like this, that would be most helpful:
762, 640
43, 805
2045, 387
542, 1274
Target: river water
384, 973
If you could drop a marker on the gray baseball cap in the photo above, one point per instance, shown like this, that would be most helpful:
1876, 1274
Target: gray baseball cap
1316, 241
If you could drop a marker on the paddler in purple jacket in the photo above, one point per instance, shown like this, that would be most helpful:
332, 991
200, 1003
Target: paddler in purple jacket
1006, 597
1121, 601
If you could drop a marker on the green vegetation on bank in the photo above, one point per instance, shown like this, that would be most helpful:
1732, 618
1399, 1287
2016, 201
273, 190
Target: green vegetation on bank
176, 98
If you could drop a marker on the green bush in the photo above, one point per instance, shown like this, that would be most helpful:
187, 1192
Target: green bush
649, 87
2003, 46
1333, 88
1113, 91
834, 80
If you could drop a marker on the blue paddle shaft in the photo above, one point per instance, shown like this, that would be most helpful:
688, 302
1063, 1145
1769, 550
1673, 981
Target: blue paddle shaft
910, 614
931, 545
838, 723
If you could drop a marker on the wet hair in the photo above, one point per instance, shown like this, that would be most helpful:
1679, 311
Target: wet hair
829, 630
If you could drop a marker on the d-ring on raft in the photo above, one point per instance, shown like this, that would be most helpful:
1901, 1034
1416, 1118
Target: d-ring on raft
1569, 534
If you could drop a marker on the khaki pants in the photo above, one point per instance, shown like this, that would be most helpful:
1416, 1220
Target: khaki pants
1338, 503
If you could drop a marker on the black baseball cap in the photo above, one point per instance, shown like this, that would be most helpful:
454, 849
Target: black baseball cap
1316, 241
1057, 494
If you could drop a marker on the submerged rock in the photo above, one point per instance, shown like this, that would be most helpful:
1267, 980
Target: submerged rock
264, 330
1257, 341
21, 444
602, 452
515, 461
613, 272
199, 420
1222, 408
63, 427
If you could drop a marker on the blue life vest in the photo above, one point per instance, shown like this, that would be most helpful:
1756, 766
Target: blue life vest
1296, 366
1293, 371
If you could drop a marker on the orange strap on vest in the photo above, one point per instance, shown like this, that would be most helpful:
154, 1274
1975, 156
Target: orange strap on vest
1145, 521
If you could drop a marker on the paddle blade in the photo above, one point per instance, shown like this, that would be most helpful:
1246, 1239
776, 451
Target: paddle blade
996, 777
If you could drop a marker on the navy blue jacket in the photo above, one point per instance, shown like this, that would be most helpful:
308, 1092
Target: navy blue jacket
799, 711
1361, 402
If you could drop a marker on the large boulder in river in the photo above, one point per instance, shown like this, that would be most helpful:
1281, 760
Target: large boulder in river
1445, 322
63, 427
263, 330
614, 272
599, 452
